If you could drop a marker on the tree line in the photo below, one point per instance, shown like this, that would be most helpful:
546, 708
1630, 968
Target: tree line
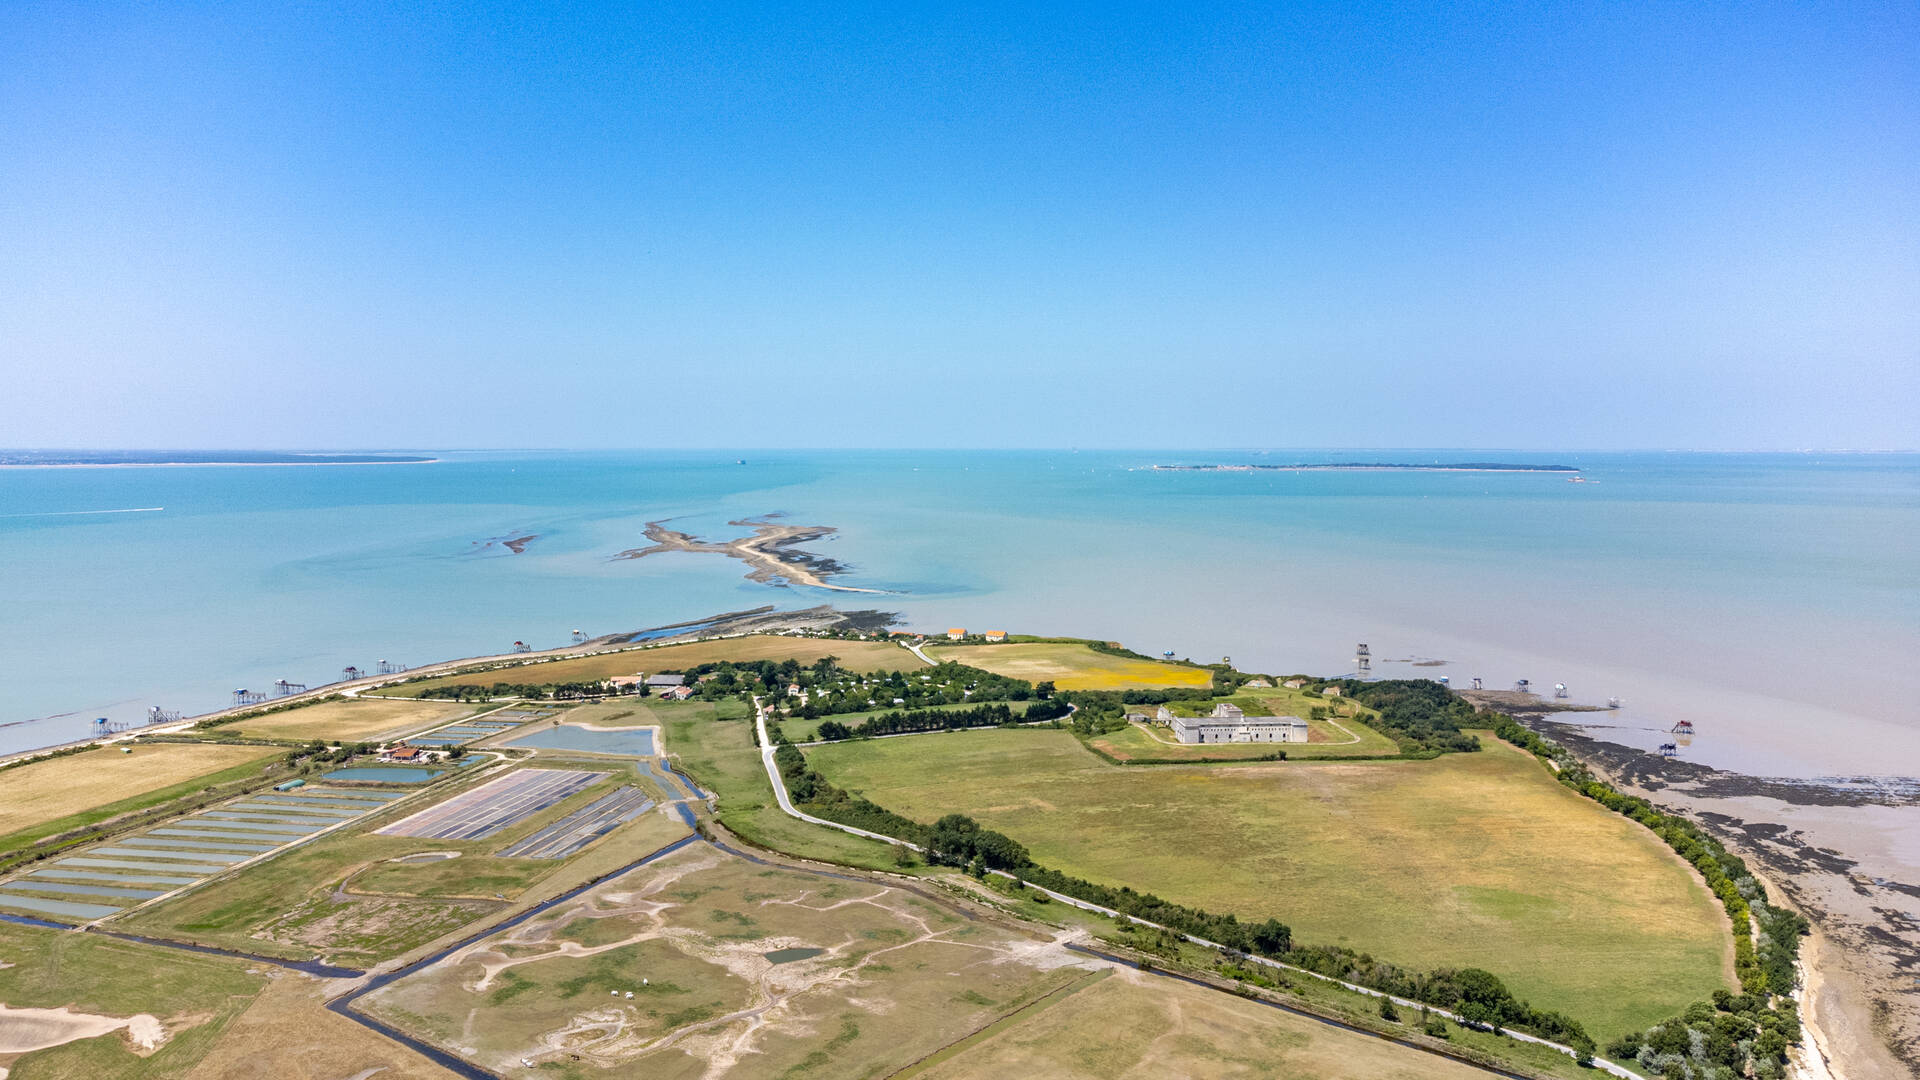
957, 840
901, 722
1749, 1031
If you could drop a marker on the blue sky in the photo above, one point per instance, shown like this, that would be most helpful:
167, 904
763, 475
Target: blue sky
227, 226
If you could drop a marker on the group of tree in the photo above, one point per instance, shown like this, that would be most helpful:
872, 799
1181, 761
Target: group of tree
905, 722
555, 691
1421, 715
1733, 1035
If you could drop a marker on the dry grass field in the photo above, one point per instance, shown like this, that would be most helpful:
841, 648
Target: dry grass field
862, 656
64, 787
735, 970
1468, 860
288, 1034
1071, 666
354, 720
1132, 1026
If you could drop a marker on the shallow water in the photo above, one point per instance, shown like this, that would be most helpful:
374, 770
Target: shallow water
1772, 599
383, 774
627, 742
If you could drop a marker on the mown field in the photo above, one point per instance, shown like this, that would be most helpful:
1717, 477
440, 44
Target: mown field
351, 720
194, 997
1467, 860
341, 897
47, 797
861, 656
1137, 1026
1071, 666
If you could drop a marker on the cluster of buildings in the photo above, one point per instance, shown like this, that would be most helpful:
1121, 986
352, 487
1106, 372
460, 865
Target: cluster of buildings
1228, 723
959, 633
671, 687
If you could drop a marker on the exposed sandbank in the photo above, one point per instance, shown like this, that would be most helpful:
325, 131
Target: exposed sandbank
773, 551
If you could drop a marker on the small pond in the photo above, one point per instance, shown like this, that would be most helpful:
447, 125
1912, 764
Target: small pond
385, 774
788, 956
626, 742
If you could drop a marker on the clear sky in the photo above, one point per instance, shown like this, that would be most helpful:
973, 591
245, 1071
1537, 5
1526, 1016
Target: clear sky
1278, 225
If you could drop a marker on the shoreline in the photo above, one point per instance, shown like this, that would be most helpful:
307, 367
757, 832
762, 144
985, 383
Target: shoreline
1860, 1001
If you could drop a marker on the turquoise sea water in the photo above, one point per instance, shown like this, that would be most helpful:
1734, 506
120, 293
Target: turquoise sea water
1772, 599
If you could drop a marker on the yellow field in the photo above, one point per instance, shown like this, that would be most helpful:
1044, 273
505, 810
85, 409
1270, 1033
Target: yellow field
353, 720
46, 790
860, 656
1071, 667
1134, 1027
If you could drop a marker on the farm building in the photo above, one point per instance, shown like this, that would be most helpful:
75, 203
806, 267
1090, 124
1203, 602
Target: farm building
1294, 684
1331, 691
996, 636
659, 681
955, 633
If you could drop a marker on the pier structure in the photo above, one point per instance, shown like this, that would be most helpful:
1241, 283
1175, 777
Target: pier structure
351, 673
1559, 689
521, 646
1362, 661
158, 715
1668, 749
1476, 682
243, 696
1684, 727
391, 667
282, 688
579, 636
1523, 685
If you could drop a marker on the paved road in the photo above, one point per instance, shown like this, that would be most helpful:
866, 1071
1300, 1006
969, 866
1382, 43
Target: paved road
780, 793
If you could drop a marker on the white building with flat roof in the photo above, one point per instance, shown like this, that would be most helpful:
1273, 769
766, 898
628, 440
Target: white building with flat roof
1227, 724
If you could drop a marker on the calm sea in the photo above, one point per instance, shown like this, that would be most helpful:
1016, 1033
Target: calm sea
1773, 600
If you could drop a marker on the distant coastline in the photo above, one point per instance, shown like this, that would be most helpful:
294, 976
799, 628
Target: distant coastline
1358, 466
110, 459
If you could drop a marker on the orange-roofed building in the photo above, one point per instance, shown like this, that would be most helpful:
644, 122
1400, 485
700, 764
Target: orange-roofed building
996, 635
956, 633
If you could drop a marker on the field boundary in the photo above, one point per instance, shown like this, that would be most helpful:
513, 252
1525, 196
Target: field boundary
786, 804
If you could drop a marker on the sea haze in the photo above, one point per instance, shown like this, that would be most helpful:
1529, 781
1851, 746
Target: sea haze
1773, 600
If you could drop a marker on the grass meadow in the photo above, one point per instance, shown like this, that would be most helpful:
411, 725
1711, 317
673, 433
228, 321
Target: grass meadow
1072, 666
1468, 860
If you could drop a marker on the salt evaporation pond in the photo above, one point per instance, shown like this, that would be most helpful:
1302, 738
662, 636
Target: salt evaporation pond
384, 774
624, 742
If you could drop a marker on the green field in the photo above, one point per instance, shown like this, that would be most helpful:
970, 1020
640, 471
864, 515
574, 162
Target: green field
1071, 666
342, 898
860, 656
721, 757
194, 997
1467, 860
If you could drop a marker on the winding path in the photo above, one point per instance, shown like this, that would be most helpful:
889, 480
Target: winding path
780, 793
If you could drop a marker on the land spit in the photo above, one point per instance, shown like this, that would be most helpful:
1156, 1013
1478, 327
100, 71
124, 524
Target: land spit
773, 551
